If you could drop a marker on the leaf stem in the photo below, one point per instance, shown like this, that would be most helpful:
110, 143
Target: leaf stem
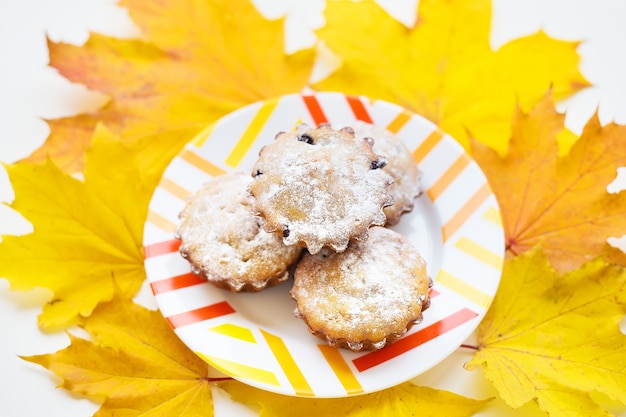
472, 347
218, 379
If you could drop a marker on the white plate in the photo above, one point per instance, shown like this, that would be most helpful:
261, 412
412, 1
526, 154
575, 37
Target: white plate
254, 337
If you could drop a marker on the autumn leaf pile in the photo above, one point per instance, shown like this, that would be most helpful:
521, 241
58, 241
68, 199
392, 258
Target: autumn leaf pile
552, 335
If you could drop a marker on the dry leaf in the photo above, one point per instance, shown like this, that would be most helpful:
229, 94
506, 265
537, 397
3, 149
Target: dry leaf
87, 234
135, 363
444, 68
199, 61
561, 202
556, 339
402, 400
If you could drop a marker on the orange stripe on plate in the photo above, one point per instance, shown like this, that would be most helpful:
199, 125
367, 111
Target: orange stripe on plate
315, 110
254, 128
446, 179
413, 340
200, 314
359, 110
341, 369
288, 365
175, 283
399, 122
429, 143
175, 189
201, 163
161, 248
161, 222
465, 212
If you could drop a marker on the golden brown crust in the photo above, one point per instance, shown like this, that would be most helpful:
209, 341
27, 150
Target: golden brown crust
320, 187
365, 297
226, 244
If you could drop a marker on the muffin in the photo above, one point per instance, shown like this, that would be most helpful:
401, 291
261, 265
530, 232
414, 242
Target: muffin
400, 165
225, 243
365, 297
320, 187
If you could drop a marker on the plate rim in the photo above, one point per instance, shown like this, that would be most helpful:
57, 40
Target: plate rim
201, 137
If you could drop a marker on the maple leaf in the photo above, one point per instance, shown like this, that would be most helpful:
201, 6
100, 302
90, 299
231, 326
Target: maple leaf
402, 400
198, 61
444, 68
87, 234
561, 202
135, 363
556, 339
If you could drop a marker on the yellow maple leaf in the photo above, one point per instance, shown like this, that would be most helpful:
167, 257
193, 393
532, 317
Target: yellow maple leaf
402, 400
556, 339
197, 62
135, 363
87, 234
561, 202
444, 68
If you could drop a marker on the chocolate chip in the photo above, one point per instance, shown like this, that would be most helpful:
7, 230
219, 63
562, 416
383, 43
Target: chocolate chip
305, 137
286, 231
257, 173
377, 164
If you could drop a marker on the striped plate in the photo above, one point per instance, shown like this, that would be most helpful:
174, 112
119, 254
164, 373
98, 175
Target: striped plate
255, 337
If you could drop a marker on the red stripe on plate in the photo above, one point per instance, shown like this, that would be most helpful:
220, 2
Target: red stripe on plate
315, 109
161, 248
411, 341
175, 283
200, 314
359, 110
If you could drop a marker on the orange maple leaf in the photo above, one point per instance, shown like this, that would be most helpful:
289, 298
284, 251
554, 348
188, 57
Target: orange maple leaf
198, 61
560, 202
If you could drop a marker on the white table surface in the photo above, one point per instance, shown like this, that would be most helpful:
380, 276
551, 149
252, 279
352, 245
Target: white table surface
30, 91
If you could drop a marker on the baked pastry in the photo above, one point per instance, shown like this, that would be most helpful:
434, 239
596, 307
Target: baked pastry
225, 243
319, 187
400, 165
365, 297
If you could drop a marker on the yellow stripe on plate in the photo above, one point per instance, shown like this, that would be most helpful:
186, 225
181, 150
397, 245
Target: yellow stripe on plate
161, 222
493, 215
479, 252
237, 332
288, 365
202, 137
341, 369
464, 289
251, 133
239, 370
399, 122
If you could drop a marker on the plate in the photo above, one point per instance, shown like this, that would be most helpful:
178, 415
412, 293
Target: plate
255, 338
